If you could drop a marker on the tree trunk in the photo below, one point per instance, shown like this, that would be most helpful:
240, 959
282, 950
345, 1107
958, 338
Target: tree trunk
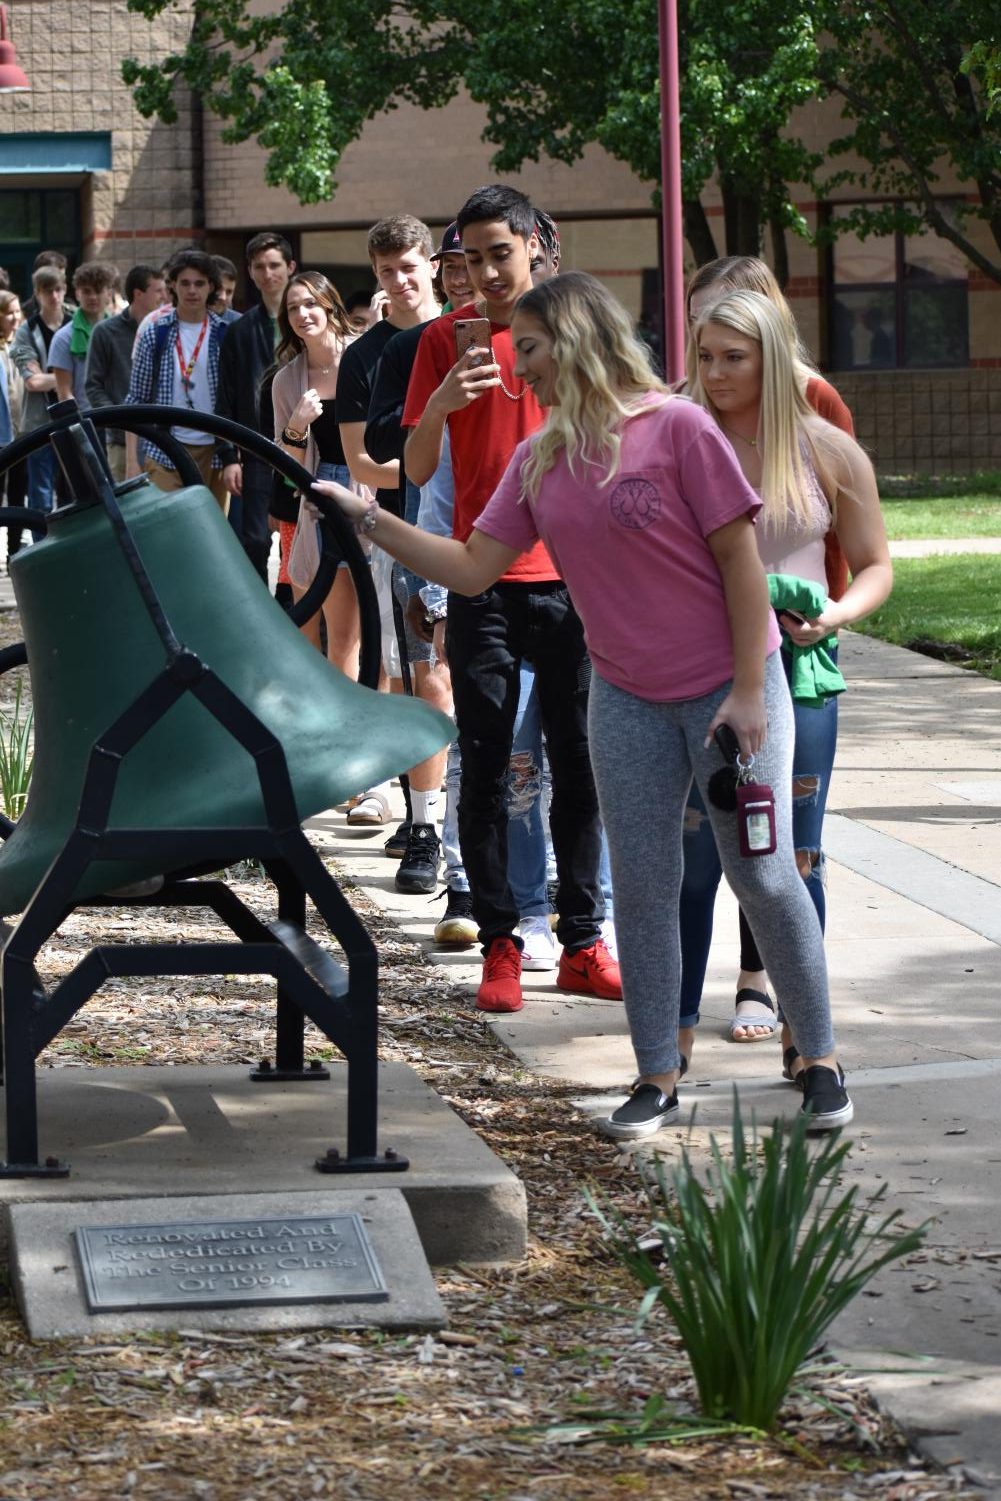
780, 250
698, 233
742, 218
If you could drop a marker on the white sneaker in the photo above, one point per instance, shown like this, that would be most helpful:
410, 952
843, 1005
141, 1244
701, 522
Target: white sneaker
608, 934
539, 951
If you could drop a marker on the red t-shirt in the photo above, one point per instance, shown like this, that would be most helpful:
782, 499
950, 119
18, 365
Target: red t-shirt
483, 435
828, 404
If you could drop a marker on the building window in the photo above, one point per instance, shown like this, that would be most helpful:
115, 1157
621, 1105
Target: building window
897, 302
33, 219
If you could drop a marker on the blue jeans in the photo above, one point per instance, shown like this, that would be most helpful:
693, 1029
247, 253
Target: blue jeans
455, 871
42, 482
526, 826
816, 740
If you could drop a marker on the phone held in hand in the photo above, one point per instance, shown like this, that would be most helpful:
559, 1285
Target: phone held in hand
473, 333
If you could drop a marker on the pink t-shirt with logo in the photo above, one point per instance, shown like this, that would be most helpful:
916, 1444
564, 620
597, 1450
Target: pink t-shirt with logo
633, 552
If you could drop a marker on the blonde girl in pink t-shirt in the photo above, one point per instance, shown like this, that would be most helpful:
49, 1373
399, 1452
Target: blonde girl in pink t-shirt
625, 464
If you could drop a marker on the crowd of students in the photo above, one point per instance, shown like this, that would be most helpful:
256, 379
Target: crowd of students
602, 578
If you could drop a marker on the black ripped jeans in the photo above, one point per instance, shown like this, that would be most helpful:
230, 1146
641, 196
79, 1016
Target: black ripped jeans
487, 638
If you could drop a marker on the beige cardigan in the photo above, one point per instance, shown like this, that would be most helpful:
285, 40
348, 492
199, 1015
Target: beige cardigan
290, 385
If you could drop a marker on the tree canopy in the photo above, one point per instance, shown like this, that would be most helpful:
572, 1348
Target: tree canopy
304, 77
916, 86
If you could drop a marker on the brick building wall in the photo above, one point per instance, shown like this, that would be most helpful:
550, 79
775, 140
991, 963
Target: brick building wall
169, 185
927, 422
150, 202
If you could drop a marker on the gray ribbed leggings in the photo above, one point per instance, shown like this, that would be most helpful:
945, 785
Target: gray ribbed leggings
644, 755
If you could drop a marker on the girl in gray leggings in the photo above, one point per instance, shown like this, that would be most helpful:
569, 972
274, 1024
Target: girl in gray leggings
658, 747
645, 512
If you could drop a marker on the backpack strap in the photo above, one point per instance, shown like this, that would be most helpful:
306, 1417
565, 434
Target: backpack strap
161, 333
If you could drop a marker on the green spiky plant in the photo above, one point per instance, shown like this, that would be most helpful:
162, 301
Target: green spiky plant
758, 1260
16, 755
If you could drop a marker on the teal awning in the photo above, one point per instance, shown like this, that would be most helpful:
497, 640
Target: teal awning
53, 151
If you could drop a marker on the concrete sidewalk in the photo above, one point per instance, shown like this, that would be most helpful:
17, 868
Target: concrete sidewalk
914, 945
913, 837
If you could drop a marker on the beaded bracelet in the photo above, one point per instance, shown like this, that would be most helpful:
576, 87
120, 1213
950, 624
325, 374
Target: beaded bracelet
366, 522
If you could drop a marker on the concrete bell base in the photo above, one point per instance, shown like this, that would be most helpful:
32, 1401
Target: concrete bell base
194, 1131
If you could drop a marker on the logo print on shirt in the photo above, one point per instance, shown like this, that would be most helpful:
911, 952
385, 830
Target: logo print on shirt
635, 503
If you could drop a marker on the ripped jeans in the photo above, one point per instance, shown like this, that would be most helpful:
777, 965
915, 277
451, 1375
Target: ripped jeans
813, 761
526, 823
527, 840
530, 860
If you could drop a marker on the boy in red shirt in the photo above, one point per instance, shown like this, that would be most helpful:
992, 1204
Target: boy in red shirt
527, 614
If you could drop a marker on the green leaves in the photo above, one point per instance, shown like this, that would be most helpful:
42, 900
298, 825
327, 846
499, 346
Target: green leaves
917, 117
757, 1260
17, 755
304, 78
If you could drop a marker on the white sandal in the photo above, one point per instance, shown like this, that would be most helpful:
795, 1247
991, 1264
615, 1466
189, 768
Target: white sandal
371, 808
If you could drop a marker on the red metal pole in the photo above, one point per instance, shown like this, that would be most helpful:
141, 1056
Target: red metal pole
673, 259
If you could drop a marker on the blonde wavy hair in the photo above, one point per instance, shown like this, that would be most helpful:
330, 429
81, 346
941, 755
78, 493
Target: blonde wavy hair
603, 377
787, 437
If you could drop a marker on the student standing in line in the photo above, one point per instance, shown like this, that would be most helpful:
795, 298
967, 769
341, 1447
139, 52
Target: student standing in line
811, 476
754, 1015
13, 484
400, 249
109, 355
527, 614
248, 350
92, 286
222, 302
315, 332
177, 364
30, 354
639, 497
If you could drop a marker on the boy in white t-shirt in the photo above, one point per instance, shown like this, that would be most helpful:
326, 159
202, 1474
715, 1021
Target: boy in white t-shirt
176, 364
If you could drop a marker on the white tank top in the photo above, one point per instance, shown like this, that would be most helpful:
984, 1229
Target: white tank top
796, 545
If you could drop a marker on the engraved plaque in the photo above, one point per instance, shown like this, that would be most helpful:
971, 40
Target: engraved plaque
326, 1258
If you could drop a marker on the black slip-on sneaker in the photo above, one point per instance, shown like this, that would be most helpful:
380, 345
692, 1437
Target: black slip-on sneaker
825, 1098
643, 1114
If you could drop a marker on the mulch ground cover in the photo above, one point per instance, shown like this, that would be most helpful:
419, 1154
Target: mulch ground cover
495, 1406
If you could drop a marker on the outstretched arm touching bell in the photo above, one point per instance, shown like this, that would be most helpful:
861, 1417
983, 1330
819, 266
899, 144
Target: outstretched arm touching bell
464, 567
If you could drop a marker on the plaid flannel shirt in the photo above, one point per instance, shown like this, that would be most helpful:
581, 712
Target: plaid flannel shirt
140, 386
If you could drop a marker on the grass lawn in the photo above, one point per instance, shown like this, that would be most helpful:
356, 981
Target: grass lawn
951, 605
970, 515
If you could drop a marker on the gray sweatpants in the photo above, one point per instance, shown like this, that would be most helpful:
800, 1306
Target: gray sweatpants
644, 756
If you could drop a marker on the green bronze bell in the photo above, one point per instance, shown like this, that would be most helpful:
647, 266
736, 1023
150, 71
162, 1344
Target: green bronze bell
92, 649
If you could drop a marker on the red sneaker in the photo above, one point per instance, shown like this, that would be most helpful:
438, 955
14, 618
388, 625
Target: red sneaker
591, 971
500, 987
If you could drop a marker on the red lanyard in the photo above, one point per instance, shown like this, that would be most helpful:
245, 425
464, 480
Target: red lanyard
186, 369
